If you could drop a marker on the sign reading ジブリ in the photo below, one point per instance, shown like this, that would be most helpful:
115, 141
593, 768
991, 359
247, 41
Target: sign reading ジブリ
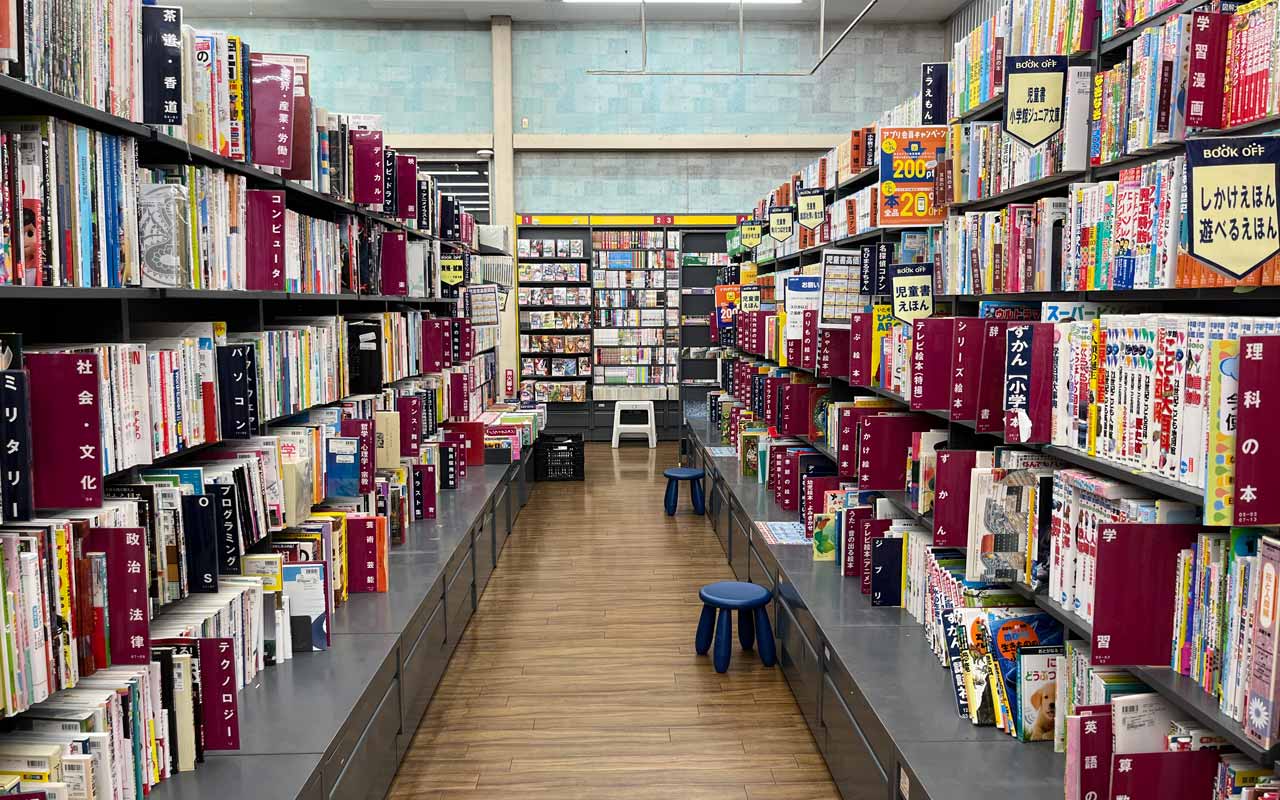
909, 156
782, 222
1035, 97
1232, 187
812, 211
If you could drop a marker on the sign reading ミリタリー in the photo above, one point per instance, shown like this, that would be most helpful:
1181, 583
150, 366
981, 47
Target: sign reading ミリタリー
1035, 97
1232, 187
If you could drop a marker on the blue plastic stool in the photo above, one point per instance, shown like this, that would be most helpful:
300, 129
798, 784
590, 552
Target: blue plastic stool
694, 476
753, 623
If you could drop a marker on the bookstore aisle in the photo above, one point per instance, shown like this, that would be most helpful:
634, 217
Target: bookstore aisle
577, 676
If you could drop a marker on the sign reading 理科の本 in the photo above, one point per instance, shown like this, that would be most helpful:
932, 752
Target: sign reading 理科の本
812, 209
1035, 96
782, 222
911, 288
1232, 186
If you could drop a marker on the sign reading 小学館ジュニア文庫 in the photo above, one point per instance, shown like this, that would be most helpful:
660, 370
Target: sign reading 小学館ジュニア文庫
1035, 97
909, 156
812, 209
782, 222
933, 93
911, 288
752, 232
1232, 183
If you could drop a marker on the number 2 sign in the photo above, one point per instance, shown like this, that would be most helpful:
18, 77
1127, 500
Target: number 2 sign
908, 158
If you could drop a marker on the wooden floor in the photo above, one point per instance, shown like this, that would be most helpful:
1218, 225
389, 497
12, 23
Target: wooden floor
577, 676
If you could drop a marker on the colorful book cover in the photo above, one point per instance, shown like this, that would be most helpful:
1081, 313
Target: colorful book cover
1224, 372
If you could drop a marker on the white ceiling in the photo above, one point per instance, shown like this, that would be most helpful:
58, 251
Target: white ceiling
837, 11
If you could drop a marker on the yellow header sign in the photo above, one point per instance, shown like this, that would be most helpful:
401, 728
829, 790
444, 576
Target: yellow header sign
1232, 189
1035, 97
782, 222
752, 233
812, 209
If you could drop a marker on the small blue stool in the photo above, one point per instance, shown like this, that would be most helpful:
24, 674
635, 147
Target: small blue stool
694, 476
753, 623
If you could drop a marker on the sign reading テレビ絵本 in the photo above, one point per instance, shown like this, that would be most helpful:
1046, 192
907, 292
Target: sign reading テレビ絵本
911, 288
908, 158
1035, 96
811, 211
752, 232
1232, 187
933, 93
782, 222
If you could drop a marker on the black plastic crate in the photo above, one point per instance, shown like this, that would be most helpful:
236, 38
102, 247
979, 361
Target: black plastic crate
560, 457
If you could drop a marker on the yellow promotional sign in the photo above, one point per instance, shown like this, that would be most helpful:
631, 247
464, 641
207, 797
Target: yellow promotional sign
1035, 96
752, 233
911, 289
909, 158
453, 269
782, 222
881, 325
1232, 188
812, 209
553, 219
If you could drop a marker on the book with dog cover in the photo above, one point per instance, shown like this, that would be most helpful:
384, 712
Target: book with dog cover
1037, 691
1010, 630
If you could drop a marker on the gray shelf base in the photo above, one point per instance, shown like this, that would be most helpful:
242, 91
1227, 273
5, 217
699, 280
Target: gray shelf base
335, 725
878, 702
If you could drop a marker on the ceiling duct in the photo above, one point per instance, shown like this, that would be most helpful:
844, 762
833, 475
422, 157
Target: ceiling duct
741, 71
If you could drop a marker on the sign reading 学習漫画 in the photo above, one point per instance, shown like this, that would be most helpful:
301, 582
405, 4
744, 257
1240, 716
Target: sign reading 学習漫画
1232, 185
752, 233
782, 222
909, 156
911, 289
812, 209
1035, 97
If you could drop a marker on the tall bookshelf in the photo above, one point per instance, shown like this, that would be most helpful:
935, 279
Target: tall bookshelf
656, 372
703, 255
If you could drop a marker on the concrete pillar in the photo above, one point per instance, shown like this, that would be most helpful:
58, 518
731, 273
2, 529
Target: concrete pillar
502, 183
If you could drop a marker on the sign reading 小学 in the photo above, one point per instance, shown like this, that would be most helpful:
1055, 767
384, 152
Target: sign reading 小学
1035, 97
750, 298
782, 222
1232, 187
933, 93
909, 156
911, 289
812, 209
752, 233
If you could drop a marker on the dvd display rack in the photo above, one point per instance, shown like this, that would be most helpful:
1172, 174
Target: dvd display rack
555, 315
703, 255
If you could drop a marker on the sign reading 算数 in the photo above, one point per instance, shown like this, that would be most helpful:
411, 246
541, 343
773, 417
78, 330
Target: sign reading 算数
782, 222
1232, 187
933, 93
909, 156
750, 298
812, 210
752, 233
911, 288
1035, 97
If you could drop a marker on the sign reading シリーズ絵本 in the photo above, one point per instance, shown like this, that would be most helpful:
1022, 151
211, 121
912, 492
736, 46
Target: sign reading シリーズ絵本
933, 93
909, 157
911, 288
752, 232
811, 210
1035, 97
1232, 186
782, 222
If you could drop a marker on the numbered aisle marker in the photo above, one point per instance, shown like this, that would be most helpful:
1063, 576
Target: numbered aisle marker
908, 158
1232, 184
1035, 91
782, 222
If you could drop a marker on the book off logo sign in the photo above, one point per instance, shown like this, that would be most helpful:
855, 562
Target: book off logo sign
1232, 187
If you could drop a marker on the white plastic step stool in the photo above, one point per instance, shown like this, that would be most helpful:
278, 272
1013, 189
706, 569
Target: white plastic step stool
649, 429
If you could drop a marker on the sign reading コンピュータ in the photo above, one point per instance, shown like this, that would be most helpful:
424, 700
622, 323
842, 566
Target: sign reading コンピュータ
1035, 96
1232, 187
